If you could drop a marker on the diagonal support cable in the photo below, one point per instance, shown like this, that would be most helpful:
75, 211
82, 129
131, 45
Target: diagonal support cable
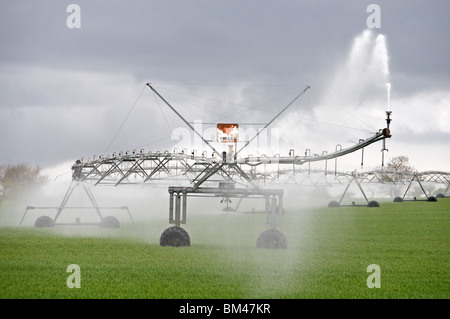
182, 118
271, 121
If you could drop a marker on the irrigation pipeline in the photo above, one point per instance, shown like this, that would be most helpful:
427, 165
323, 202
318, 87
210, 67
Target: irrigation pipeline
141, 167
145, 167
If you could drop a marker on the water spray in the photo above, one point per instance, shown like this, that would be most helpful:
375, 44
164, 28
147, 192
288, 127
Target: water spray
388, 88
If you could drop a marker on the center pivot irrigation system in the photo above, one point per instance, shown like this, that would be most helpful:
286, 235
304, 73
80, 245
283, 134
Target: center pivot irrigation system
222, 175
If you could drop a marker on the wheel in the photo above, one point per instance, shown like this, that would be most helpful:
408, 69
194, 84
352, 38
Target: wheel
175, 236
44, 221
271, 238
228, 209
373, 203
109, 222
333, 203
398, 200
440, 195
431, 199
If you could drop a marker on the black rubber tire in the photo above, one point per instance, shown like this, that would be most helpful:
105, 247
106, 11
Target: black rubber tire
272, 239
440, 195
398, 200
44, 221
110, 222
176, 237
373, 203
333, 203
431, 199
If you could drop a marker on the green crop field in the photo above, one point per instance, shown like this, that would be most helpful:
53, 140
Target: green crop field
329, 250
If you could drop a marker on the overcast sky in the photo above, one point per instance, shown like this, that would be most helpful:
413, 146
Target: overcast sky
67, 93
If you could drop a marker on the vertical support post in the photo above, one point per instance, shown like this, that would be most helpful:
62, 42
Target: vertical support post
280, 203
274, 212
362, 154
171, 221
184, 210
177, 210
280, 210
291, 153
267, 207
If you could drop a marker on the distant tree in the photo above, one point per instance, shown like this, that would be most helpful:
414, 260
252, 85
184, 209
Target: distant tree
395, 171
18, 177
400, 164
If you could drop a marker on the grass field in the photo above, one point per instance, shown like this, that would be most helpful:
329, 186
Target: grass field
329, 250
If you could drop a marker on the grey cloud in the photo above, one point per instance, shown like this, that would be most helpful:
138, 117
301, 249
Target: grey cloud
99, 70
